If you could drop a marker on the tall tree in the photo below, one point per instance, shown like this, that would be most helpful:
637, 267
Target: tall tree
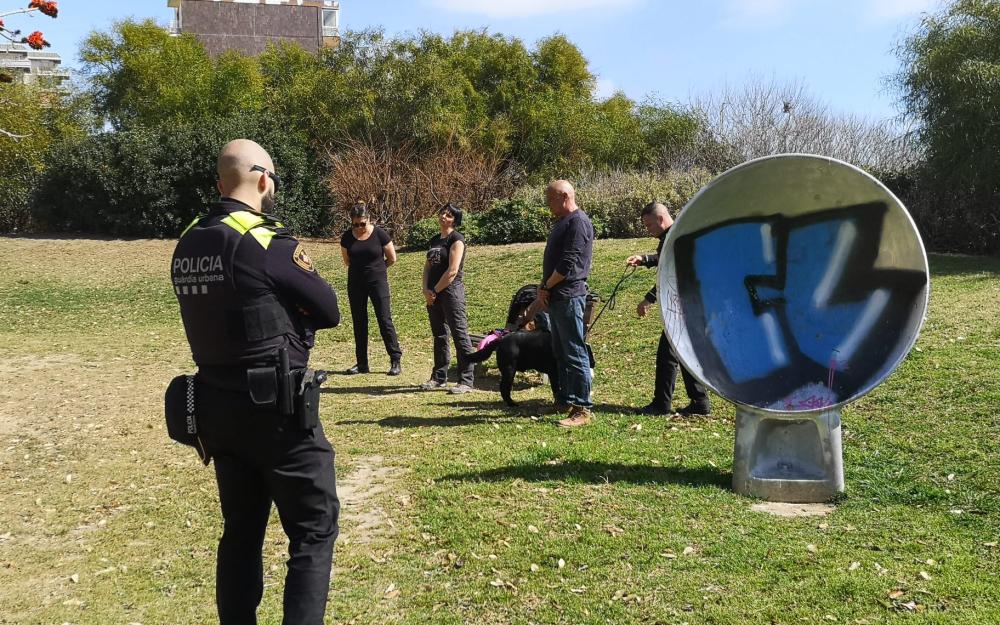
37, 118
951, 85
139, 73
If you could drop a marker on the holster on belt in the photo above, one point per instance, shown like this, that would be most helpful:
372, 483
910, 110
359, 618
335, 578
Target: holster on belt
307, 398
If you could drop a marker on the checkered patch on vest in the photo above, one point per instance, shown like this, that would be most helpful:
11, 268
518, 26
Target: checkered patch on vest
302, 259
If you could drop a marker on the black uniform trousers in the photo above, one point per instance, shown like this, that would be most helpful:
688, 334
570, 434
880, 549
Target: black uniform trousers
260, 458
447, 316
361, 288
666, 378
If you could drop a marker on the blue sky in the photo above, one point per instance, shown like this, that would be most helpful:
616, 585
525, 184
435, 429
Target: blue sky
842, 50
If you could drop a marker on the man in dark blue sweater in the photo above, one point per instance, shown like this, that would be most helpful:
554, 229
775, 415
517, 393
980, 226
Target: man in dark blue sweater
563, 293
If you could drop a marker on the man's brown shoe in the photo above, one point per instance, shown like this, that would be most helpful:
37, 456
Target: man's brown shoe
578, 415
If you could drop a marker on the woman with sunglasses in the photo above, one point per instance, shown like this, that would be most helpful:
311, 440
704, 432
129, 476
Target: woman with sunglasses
367, 251
445, 296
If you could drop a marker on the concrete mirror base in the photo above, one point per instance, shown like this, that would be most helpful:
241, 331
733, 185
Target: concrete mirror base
793, 457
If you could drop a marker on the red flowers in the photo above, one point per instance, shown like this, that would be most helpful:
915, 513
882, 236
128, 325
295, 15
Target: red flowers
36, 41
48, 7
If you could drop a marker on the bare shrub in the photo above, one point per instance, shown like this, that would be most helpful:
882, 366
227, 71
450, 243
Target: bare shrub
763, 118
404, 185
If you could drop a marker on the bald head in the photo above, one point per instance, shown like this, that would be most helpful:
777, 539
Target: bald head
656, 218
238, 179
561, 198
654, 208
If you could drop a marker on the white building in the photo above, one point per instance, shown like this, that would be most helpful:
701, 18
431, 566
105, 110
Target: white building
31, 66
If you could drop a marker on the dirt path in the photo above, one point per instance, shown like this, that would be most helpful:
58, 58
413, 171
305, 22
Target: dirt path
362, 494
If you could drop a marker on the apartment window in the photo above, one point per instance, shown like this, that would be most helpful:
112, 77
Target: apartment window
175, 24
331, 19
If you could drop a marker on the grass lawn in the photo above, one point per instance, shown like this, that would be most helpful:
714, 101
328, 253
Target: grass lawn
459, 511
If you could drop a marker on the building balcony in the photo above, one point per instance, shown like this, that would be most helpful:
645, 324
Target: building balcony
15, 63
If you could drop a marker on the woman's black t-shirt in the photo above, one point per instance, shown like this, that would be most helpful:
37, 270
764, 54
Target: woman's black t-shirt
438, 255
367, 257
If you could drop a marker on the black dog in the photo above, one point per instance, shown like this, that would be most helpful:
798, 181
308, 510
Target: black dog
521, 351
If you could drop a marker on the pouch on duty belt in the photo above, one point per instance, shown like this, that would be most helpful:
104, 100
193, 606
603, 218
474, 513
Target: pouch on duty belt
179, 410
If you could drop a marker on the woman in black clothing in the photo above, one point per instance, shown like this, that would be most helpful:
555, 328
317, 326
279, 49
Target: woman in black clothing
368, 251
445, 295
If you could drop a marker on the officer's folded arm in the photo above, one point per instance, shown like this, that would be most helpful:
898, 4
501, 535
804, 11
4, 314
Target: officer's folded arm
295, 277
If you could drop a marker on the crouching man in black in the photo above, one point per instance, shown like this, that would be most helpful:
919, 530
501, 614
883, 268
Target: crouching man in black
657, 221
251, 302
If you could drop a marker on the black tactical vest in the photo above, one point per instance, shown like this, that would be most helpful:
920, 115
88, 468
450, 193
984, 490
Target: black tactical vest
223, 325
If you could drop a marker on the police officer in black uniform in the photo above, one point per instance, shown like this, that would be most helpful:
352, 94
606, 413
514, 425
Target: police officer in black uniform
251, 301
657, 221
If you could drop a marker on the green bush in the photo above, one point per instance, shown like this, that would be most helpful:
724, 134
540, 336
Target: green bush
514, 221
426, 229
422, 232
146, 181
15, 188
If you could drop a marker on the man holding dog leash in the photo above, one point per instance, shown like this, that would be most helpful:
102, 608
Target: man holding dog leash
251, 301
563, 293
657, 221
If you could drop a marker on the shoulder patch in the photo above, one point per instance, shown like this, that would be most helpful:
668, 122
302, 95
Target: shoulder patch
302, 259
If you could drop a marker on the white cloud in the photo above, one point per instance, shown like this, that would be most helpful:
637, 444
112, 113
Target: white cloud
532, 8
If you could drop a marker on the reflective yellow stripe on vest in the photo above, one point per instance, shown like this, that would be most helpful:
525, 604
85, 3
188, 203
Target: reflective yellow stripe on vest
263, 236
191, 225
245, 221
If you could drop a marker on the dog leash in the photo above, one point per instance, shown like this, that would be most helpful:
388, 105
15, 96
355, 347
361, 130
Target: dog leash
613, 298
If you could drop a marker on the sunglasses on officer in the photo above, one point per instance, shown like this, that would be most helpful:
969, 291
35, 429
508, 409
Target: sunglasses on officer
359, 224
270, 174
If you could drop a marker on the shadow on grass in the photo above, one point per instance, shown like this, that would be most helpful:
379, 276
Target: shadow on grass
427, 422
958, 265
371, 389
601, 472
537, 406
490, 399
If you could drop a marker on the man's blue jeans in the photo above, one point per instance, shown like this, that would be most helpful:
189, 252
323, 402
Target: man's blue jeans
572, 360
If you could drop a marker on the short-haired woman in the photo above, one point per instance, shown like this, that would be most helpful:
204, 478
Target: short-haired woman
367, 251
445, 295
